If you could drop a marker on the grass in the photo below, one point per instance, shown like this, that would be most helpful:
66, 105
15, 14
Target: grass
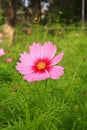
62, 104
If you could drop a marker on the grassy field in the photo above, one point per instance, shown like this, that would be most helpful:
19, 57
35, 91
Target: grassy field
62, 104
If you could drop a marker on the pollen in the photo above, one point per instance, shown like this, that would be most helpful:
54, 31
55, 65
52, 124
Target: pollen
41, 65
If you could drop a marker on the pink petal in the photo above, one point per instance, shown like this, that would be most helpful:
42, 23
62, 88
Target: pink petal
56, 72
36, 76
43, 76
35, 51
48, 50
24, 68
26, 58
57, 59
2, 52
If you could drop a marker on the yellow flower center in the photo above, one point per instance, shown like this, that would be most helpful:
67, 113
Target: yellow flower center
41, 65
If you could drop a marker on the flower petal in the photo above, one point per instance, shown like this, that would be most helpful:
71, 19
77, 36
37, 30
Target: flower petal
26, 58
24, 68
48, 50
35, 51
2, 52
57, 59
36, 76
56, 72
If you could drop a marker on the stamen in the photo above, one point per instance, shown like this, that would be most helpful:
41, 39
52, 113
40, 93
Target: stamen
41, 65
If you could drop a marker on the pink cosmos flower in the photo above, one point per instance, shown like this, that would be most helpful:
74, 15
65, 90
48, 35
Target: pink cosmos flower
40, 64
2, 52
8, 60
